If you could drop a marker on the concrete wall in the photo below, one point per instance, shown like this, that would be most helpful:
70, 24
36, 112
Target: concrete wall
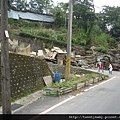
55, 68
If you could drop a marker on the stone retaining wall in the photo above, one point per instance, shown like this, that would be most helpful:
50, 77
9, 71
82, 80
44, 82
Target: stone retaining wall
26, 75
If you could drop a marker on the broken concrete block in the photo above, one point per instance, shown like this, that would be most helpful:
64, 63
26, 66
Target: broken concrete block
40, 53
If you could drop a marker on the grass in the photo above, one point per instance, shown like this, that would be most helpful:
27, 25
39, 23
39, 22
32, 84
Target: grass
74, 80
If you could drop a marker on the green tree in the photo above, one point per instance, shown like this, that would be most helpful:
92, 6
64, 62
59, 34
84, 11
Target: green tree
18, 4
84, 17
109, 20
41, 6
10, 4
60, 14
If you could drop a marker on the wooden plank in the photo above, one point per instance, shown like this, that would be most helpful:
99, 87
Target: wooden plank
48, 81
80, 85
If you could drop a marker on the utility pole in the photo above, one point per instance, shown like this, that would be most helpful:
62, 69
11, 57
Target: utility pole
5, 68
69, 38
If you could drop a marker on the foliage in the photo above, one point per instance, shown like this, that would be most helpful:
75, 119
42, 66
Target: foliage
46, 33
79, 37
88, 76
84, 16
41, 6
68, 83
60, 14
18, 4
109, 20
102, 38
10, 6
37, 30
18, 24
83, 19
89, 28
73, 81
101, 49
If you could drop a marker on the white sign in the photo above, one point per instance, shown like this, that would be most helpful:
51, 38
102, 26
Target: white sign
6, 34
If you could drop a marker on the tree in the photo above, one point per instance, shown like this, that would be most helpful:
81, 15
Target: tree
41, 6
84, 17
10, 5
18, 4
60, 14
109, 20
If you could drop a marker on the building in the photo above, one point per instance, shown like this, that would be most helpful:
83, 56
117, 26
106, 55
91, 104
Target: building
30, 16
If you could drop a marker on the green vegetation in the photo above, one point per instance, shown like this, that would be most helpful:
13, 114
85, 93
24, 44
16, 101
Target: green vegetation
74, 80
101, 49
89, 28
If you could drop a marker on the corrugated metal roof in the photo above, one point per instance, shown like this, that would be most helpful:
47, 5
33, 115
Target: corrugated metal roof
30, 16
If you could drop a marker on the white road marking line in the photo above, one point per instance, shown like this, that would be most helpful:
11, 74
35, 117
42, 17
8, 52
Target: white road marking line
90, 88
74, 97
57, 105
100, 83
107, 80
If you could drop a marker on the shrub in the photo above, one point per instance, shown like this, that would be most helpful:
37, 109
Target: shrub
111, 41
101, 49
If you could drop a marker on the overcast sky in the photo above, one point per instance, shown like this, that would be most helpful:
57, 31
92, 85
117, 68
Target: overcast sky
98, 3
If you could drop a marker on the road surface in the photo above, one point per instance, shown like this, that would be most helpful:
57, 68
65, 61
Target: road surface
103, 98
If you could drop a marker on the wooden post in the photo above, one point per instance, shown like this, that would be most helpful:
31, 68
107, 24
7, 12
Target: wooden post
5, 68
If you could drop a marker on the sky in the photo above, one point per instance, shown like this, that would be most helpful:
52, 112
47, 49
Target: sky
98, 3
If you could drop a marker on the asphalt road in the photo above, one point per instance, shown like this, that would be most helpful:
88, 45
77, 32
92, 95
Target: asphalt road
103, 98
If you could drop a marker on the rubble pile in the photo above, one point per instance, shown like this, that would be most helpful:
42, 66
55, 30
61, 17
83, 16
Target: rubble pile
79, 57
